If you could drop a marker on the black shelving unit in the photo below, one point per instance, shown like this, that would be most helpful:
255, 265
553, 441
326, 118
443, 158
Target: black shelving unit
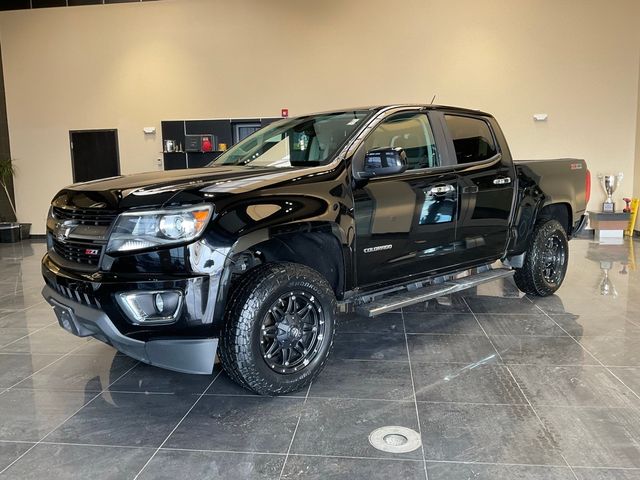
220, 128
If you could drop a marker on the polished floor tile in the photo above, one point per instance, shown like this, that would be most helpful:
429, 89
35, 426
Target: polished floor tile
465, 349
387, 323
29, 415
486, 433
481, 383
15, 367
84, 373
70, 462
597, 325
446, 323
51, 339
341, 427
124, 419
529, 349
364, 379
630, 376
479, 471
324, 468
491, 305
35, 317
606, 474
174, 464
239, 424
501, 386
370, 346
147, 379
595, 437
614, 351
578, 386
525, 324
11, 451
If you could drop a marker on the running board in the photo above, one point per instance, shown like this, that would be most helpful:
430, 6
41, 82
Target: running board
394, 301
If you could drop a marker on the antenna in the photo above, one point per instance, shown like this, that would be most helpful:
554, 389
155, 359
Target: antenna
432, 100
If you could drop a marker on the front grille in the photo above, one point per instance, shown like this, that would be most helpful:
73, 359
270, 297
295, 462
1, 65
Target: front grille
75, 294
85, 216
85, 253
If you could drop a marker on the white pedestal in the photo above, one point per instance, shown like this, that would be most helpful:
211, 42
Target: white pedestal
610, 237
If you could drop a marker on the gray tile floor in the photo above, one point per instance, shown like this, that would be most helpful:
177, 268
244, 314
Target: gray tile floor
500, 386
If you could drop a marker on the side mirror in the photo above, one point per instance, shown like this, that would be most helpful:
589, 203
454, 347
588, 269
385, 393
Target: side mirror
381, 162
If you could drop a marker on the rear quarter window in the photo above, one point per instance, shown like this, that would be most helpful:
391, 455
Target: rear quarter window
472, 138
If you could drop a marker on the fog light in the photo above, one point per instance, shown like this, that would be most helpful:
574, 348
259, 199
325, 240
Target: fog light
158, 307
159, 303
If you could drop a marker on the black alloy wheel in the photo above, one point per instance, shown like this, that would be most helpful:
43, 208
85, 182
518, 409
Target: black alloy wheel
546, 260
292, 332
554, 258
279, 328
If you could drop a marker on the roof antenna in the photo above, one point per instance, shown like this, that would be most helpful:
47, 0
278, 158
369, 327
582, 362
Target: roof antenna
432, 100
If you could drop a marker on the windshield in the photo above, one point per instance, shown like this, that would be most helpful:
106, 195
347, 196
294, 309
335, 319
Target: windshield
297, 142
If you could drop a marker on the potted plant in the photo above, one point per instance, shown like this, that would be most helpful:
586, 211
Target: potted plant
8, 229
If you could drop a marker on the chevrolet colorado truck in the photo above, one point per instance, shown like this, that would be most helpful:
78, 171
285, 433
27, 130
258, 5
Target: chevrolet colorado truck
252, 257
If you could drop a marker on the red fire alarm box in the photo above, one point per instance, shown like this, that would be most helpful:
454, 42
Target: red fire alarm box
284, 112
206, 143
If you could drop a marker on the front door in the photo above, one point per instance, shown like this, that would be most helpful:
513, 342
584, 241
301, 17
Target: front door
405, 223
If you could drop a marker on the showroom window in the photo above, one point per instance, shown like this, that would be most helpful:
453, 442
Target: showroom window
472, 138
412, 132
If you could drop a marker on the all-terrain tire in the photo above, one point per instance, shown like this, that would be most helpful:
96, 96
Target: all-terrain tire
242, 340
546, 260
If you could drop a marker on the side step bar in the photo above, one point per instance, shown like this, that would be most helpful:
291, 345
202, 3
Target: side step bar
394, 301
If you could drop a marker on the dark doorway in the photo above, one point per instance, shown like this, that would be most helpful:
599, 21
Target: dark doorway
94, 154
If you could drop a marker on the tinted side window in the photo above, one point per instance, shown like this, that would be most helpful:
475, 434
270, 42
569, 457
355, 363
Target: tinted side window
412, 132
472, 138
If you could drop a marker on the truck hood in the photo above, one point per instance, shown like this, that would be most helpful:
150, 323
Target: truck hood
155, 189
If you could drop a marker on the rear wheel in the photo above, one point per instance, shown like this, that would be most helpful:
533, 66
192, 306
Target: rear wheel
279, 328
546, 260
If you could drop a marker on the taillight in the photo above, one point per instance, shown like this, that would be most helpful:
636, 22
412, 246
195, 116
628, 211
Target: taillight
587, 187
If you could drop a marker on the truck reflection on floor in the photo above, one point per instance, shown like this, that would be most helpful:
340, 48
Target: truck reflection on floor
606, 256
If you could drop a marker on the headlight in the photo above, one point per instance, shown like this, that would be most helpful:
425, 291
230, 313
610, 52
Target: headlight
139, 230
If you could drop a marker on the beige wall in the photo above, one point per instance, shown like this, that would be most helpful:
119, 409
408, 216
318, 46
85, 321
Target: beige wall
129, 66
636, 171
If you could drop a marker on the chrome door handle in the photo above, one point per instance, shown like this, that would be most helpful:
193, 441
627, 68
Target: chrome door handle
441, 189
501, 181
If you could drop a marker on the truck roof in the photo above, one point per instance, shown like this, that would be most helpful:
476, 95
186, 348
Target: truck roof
393, 105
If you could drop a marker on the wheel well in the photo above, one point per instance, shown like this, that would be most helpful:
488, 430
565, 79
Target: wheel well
560, 212
318, 250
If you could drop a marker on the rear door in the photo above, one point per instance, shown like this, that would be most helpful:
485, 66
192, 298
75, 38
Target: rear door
486, 182
405, 223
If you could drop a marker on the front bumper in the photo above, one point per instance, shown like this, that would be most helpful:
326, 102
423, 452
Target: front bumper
182, 355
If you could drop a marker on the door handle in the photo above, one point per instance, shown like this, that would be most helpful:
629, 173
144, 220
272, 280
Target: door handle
502, 180
441, 189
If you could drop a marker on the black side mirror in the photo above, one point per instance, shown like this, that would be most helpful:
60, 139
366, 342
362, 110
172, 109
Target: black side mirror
381, 162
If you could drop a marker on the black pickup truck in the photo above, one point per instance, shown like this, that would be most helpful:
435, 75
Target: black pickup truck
364, 210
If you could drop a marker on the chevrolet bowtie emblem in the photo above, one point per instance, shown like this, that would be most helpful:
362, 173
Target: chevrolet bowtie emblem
63, 230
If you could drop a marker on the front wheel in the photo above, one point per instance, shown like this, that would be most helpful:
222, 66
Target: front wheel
546, 260
279, 328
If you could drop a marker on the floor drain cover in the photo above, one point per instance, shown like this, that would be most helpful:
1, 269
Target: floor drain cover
395, 439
